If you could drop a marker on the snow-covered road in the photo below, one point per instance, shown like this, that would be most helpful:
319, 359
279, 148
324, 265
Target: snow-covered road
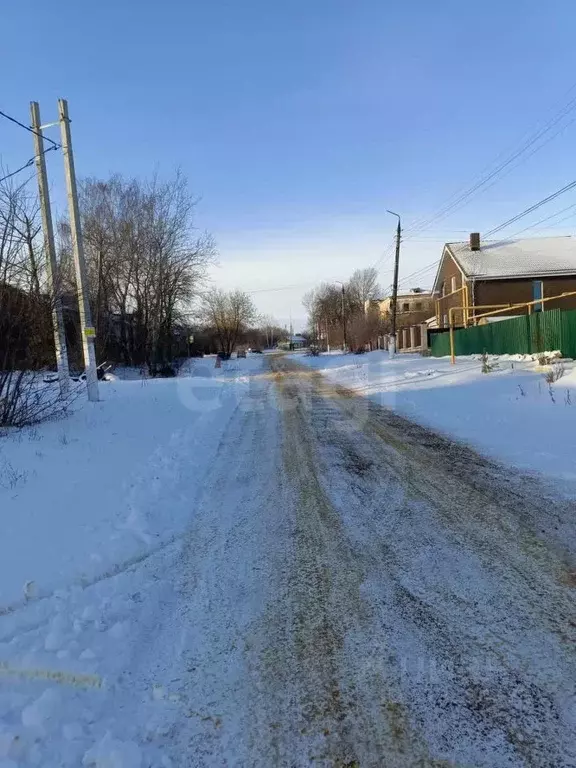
352, 590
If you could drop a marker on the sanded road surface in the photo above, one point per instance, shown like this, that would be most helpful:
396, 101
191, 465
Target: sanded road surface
356, 590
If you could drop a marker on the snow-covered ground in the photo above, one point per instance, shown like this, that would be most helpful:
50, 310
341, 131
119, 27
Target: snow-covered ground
82, 501
511, 413
246, 566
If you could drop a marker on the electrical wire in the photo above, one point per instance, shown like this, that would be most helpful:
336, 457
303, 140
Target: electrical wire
570, 216
386, 256
512, 168
418, 273
281, 288
22, 168
55, 145
405, 284
534, 207
27, 164
547, 218
424, 270
457, 198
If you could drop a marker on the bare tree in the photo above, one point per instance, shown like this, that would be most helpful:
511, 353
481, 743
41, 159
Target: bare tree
324, 306
230, 314
268, 332
26, 338
146, 262
362, 287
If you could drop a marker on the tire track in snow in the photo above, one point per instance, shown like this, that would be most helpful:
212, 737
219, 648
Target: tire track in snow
330, 707
502, 672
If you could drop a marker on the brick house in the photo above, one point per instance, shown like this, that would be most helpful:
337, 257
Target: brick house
414, 307
500, 272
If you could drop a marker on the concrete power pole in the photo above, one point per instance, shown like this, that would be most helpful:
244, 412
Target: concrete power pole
343, 294
392, 344
51, 264
86, 326
344, 318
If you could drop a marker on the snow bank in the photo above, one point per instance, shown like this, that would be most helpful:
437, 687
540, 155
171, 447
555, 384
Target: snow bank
117, 478
82, 502
511, 413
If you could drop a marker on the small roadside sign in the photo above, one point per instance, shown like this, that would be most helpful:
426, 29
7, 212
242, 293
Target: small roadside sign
89, 332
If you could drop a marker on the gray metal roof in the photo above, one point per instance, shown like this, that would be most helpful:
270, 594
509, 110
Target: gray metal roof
532, 257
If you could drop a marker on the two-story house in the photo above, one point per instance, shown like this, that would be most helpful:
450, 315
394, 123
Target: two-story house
474, 276
414, 307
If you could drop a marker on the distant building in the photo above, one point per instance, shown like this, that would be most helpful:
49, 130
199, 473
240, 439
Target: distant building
298, 342
414, 307
499, 272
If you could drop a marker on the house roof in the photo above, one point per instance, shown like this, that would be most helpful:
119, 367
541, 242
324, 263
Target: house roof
502, 259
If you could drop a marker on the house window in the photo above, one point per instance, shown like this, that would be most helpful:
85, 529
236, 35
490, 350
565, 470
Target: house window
406, 306
454, 284
443, 289
537, 293
418, 306
445, 320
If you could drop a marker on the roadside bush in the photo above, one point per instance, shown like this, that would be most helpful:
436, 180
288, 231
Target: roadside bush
557, 370
25, 399
545, 358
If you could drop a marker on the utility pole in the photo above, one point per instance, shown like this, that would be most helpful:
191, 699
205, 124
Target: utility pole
392, 343
86, 326
51, 264
343, 314
344, 317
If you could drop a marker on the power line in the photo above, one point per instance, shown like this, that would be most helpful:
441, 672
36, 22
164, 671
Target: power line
565, 218
534, 207
523, 160
412, 283
419, 272
55, 145
547, 218
27, 164
385, 258
451, 204
281, 288
22, 167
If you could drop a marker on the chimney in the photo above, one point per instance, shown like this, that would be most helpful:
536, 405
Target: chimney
474, 241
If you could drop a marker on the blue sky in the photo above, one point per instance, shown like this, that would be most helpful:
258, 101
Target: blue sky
299, 122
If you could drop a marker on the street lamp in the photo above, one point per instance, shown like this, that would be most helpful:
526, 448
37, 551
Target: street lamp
392, 343
343, 315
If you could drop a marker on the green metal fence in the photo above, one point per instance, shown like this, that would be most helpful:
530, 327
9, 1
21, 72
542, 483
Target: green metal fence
526, 334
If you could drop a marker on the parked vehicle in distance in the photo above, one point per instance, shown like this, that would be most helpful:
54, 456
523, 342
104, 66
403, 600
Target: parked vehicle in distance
256, 351
223, 355
241, 353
